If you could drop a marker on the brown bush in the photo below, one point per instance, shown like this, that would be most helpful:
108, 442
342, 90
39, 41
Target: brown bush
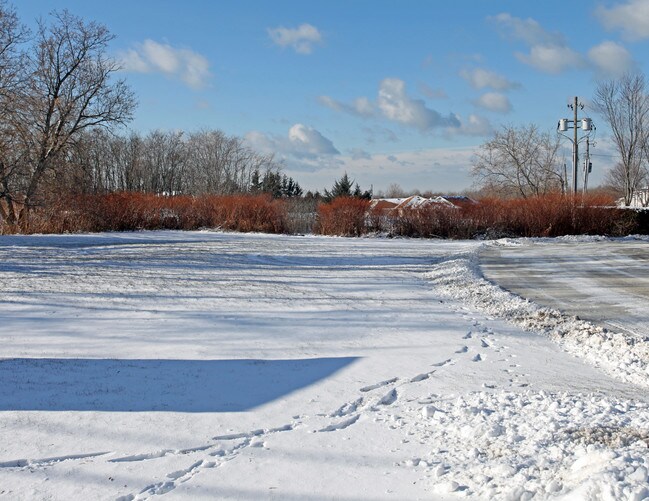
547, 216
249, 213
432, 221
142, 211
343, 216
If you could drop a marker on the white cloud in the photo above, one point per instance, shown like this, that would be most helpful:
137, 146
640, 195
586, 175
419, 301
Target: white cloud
378, 134
494, 101
303, 144
432, 93
552, 58
480, 78
528, 30
363, 106
307, 141
475, 125
360, 106
549, 52
611, 59
301, 39
359, 153
153, 57
631, 18
395, 104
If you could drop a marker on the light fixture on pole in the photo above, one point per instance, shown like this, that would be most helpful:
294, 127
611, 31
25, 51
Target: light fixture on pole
586, 125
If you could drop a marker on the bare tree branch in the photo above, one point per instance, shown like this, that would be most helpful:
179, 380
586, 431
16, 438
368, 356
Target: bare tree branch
624, 104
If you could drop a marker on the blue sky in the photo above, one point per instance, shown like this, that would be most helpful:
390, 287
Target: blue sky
390, 92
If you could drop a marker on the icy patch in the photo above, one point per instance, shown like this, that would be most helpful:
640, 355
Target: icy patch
538, 445
620, 355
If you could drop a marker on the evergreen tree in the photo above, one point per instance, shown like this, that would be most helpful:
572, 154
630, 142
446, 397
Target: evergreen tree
255, 182
343, 188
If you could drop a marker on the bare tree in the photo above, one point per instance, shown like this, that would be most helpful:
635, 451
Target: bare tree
12, 76
394, 190
12, 59
624, 104
164, 158
519, 161
68, 89
617, 179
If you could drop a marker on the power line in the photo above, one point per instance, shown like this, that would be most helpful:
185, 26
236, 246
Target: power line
602, 155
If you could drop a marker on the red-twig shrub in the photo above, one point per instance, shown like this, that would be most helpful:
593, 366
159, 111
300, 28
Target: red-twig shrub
430, 221
547, 216
143, 211
248, 213
343, 216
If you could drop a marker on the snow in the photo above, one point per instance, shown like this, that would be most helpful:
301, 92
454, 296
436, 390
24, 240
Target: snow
224, 366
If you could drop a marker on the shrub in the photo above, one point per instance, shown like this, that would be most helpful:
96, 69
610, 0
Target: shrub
430, 221
249, 213
545, 216
128, 211
343, 216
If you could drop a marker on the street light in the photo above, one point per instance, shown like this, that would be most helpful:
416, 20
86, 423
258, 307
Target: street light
587, 126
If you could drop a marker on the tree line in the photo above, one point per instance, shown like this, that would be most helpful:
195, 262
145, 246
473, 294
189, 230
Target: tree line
171, 163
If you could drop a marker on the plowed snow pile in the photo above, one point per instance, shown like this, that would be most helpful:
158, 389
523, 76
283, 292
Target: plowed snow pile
619, 354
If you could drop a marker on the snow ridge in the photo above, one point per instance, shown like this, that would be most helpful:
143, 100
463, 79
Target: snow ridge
618, 354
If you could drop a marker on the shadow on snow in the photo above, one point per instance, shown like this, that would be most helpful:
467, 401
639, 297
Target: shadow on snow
46, 384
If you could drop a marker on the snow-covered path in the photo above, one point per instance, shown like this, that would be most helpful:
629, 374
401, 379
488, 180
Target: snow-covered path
222, 366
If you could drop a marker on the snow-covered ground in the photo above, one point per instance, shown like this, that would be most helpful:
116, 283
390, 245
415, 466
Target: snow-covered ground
222, 366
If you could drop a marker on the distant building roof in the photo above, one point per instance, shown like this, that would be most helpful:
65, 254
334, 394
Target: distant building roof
417, 201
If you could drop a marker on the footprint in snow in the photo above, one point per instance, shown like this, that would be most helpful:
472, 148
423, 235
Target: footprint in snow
421, 377
389, 398
380, 384
445, 362
341, 425
464, 349
477, 358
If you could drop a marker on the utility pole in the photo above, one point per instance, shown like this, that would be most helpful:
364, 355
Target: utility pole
575, 149
586, 125
587, 165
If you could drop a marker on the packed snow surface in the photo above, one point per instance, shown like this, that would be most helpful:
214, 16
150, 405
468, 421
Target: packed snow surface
223, 366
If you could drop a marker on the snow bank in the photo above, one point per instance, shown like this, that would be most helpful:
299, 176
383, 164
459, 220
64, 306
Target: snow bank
517, 446
619, 355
